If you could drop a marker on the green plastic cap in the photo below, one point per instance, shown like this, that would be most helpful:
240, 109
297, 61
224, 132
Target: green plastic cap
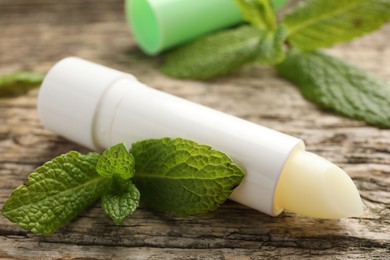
161, 24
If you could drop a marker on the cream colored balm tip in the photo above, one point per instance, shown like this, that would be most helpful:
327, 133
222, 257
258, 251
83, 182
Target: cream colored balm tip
312, 186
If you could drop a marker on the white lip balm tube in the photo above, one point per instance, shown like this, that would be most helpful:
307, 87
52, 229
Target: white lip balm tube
97, 107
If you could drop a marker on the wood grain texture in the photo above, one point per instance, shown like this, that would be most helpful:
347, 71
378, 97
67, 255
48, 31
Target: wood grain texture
36, 34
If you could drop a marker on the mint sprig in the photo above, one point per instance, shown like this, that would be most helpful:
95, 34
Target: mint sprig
309, 26
193, 179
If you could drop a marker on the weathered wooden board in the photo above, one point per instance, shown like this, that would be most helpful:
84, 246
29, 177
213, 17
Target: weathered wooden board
36, 34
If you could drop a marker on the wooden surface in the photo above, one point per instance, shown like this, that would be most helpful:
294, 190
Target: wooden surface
36, 34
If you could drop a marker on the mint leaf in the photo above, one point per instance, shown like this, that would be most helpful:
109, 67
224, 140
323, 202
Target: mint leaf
213, 55
271, 49
116, 160
182, 176
323, 23
259, 13
19, 82
121, 200
55, 193
339, 86
278, 4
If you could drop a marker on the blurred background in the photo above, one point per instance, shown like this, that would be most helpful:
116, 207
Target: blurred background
35, 34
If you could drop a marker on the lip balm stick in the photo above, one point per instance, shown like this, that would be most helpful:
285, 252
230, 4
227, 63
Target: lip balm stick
160, 24
98, 107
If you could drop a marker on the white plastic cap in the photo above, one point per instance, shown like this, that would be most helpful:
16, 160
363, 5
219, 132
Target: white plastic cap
67, 103
97, 107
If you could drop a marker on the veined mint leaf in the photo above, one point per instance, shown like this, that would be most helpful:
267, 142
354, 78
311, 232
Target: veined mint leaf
214, 55
259, 13
182, 176
116, 160
322, 23
121, 200
55, 193
339, 86
19, 82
